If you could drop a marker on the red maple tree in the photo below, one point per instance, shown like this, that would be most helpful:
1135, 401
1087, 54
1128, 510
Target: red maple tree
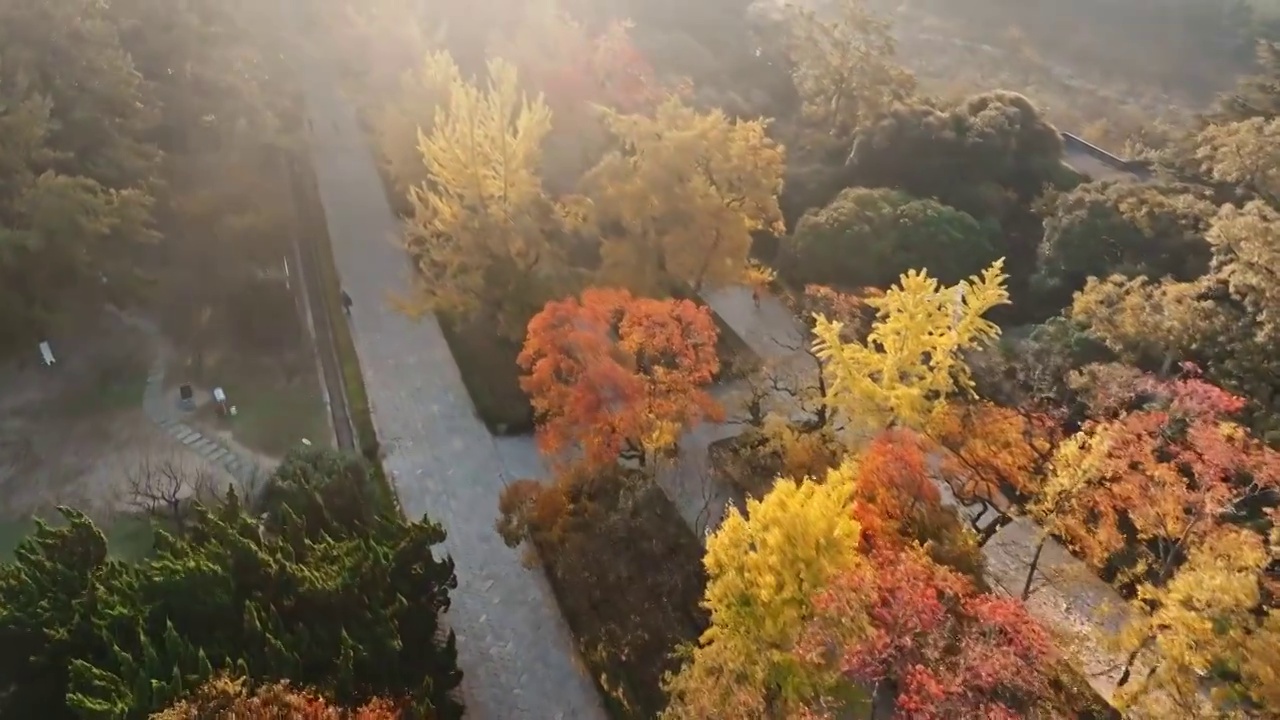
922, 633
612, 375
605, 69
1169, 465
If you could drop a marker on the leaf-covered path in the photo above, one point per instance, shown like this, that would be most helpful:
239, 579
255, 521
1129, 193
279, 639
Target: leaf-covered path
514, 648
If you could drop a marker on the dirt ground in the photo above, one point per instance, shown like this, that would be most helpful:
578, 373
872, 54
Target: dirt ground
74, 433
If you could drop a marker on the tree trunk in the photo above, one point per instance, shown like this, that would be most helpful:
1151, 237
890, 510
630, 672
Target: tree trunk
1031, 571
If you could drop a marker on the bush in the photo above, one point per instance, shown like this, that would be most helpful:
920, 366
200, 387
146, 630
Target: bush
626, 571
869, 237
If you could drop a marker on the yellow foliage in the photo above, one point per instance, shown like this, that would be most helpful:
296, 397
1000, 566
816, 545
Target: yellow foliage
911, 362
763, 572
1140, 319
1201, 618
844, 68
1260, 663
397, 124
481, 227
802, 453
1243, 153
681, 197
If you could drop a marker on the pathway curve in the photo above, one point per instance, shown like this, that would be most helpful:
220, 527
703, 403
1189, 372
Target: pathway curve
243, 465
516, 653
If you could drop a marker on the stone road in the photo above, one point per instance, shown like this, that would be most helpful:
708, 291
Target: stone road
515, 651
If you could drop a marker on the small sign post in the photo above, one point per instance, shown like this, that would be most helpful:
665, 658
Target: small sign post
46, 354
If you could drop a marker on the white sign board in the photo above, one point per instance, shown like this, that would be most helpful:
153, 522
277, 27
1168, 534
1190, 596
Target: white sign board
46, 353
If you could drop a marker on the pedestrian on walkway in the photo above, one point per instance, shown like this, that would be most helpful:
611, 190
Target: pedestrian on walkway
755, 296
346, 303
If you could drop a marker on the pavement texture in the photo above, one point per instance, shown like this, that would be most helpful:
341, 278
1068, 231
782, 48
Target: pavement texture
514, 648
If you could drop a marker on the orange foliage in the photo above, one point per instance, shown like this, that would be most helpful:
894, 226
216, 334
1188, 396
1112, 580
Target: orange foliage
229, 699
990, 448
614, 374
893, 487
849, 308
899, 506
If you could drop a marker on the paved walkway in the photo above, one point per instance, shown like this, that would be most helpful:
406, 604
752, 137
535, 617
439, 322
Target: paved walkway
514, 648
1067, 596
246, 467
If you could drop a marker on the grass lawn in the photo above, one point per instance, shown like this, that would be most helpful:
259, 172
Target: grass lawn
129, 537
271, 418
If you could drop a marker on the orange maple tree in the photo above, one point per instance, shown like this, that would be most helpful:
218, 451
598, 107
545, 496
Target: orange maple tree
226, 698
898, 505
611, 375
1159, 465
906, 625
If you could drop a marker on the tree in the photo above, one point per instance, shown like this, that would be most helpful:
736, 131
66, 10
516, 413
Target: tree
1246, 248
166, 490
680, 199
992, 453
1260, 662
1243, 154
922, 636
911, 361
984, 156
578, 71
231, 699
1255, 95
1158, 467
1104, 228
482, 232
354, 615
868, 237
898, 505
1199, 621
402, 120
613, 375
763, 571
844, 68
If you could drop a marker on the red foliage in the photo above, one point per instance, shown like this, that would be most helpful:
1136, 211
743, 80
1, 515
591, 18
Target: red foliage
893, 489
609, 373
1173, 466
949, 650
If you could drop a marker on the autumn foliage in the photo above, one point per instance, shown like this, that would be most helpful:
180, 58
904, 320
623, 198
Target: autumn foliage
612, 375
992, 452
1160, 462
231, 699
901, 621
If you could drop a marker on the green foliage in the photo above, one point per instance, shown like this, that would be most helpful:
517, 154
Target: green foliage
350, 607
1101, 228
867, 238
982, 156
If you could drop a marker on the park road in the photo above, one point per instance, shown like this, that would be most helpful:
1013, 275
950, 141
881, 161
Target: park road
516, 653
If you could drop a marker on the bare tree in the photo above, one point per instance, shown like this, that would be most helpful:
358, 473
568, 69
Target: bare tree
165, 488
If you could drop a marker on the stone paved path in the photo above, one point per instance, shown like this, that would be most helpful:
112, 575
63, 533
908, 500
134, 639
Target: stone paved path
246, 467
516, 653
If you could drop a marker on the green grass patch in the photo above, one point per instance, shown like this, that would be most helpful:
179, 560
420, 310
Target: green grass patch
272, 417
129, 537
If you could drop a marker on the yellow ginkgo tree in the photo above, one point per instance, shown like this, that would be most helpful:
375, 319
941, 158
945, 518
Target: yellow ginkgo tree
764, 569
912, 361
682, 195
482, 229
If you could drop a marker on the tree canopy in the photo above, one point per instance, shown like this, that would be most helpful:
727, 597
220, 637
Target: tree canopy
869, 237
351, 610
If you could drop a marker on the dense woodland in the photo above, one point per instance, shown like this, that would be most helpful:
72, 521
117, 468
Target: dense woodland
1093, 356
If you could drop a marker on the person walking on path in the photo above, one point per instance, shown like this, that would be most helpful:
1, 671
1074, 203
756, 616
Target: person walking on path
755, 296
346, 303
